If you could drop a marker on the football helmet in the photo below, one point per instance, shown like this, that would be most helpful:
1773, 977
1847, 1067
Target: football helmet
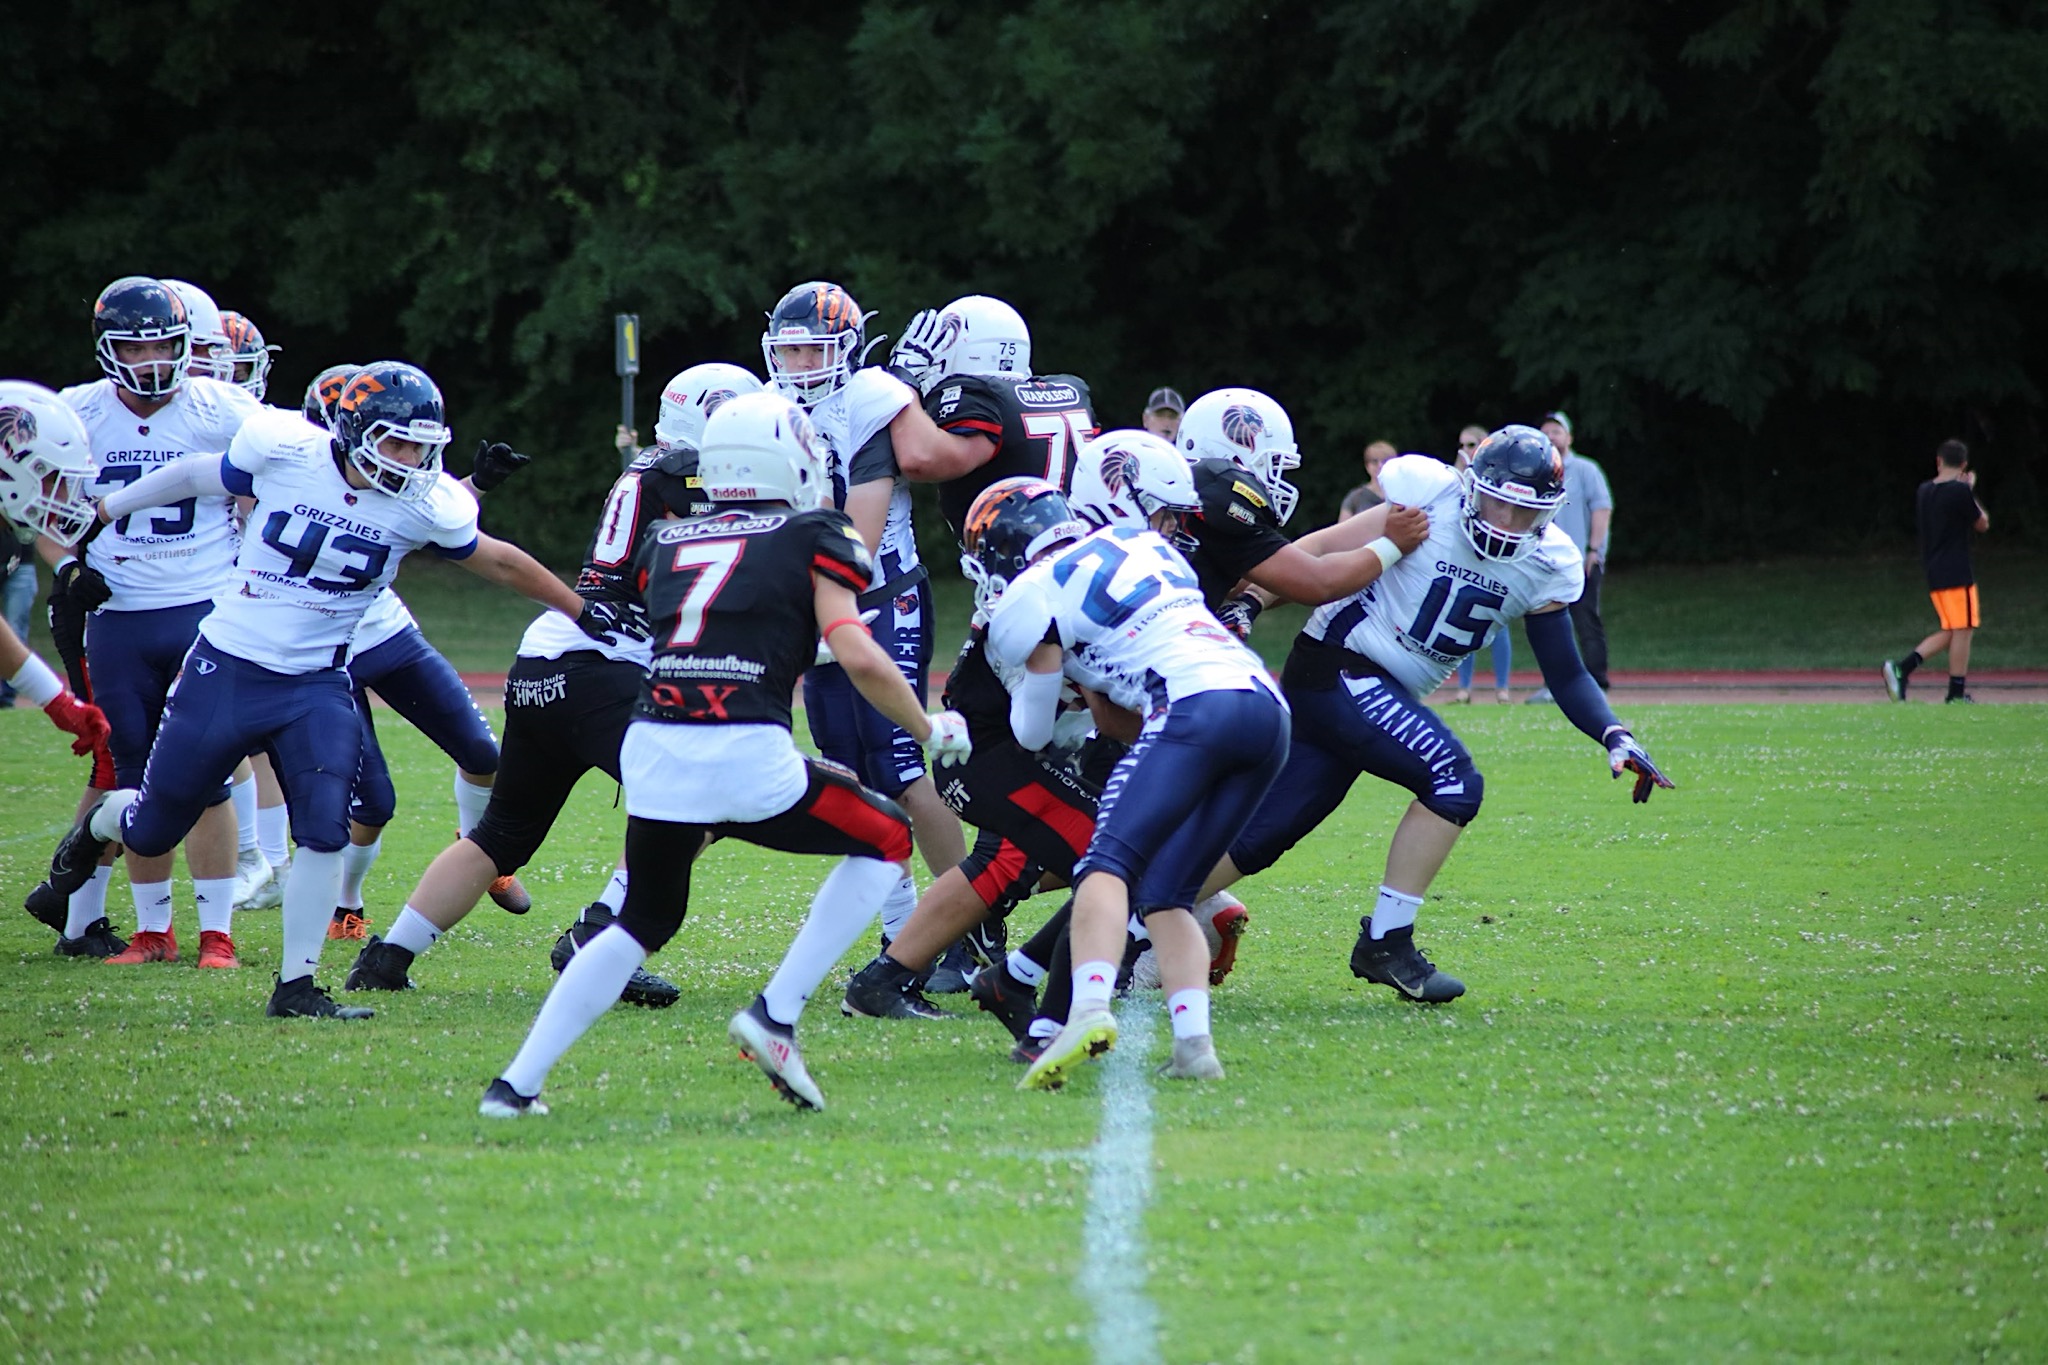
245, 346
385, 399
324, 392
138, 308
1246, 426
212, 356
45, 463
692, 396
1125, 477
762, 447
1009, 524
983, 335
1513, 488
817, 314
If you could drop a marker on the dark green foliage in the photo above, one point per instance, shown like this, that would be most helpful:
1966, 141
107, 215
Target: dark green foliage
1768, 254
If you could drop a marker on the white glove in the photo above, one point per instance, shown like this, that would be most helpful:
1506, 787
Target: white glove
949, 742
918, 358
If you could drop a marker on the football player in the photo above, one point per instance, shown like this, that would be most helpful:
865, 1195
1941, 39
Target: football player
335, 512
739, 600
251, 358
568, 700
1361, 665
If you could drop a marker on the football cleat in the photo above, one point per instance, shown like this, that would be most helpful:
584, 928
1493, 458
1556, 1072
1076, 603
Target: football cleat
1008, 999
949, 977
147, 946
268, 894
510, 895
1088, 1033
380, 966
98, 940
1396, 961
1028, 1050
886, 989
251, 871
1963, 697
1894, 681
1194, 1059
71, 867
1223, 920
217, 950
643, 988
501, 1101
772, 1047
348, 924
302, 998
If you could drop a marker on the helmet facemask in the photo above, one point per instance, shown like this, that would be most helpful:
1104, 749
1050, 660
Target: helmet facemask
147, 378
1529, 510
409, 483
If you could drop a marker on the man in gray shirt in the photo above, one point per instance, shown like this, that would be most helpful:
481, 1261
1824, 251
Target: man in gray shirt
1586, 517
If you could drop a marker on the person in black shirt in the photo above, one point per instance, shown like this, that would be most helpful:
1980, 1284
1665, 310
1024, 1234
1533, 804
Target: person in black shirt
1948, 512
738, 601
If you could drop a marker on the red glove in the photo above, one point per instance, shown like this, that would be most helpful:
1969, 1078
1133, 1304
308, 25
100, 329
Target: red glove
80, 718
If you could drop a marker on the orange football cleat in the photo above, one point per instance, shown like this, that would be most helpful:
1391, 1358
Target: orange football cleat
510, 895
1223, 919
217, 949
147, 946
348, 923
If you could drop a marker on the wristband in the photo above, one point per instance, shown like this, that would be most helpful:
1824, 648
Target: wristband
35, 681
1387, 550
854, 621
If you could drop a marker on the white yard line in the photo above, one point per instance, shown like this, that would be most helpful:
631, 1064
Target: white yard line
1119, 1188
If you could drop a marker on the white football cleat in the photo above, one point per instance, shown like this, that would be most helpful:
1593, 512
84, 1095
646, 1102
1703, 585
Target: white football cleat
269, 893
251, 871
772, 1048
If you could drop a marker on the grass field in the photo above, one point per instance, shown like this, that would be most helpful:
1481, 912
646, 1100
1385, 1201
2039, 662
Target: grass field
1757, 1070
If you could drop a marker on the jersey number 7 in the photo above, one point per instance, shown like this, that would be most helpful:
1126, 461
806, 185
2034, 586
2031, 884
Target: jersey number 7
714, 561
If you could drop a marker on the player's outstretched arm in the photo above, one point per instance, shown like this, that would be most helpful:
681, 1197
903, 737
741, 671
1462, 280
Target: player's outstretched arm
927, 454
1582, 701
502, 562
1342, 559
193, 476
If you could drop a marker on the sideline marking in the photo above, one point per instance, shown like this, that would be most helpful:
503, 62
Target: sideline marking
1119, 1189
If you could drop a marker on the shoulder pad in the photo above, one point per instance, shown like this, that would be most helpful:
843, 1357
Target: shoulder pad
1416, 480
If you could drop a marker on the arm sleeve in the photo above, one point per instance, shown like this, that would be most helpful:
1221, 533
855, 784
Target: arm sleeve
1557, 654
190, 477
873, 461
1035, 708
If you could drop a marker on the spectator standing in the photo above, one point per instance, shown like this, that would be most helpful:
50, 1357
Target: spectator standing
1587, 517
1162, 414
1948, 511
1369, 493
1503, 640
17, 600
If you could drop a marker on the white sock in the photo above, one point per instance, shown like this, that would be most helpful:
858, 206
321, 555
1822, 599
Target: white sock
1395, 910
1136, 929
613, 897
1024, 969
88, 903
152, 906
356, 862
412, 931
106, 821
588, 986
272, 825
1044, 1028
470, 800
1189, 1011
309, 900
897, 905
841, 911
1094, 983
216, 898
243, 794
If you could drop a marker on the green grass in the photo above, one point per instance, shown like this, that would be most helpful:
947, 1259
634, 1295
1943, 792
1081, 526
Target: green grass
1754, 1070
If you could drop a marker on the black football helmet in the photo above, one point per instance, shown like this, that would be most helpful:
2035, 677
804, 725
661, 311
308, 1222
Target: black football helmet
250, 353
818, 314
138, 308
324, 392
1011, 523
1513, 488
391, 398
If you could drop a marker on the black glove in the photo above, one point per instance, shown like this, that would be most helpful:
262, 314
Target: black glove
605, 621
495, 463
1238, 613
1624, 755
82, 587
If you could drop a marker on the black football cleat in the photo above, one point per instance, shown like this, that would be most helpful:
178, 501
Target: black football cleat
98, 940
1008, 999
380, 966
1028, 1050
954, 967
643, 988
71, 867
501, 1101
302, 998
886, 989
1395, 961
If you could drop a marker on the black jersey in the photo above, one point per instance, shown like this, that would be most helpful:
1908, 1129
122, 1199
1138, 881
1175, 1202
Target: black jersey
974, 690
1235, 531
1038, 424
658, 485
730, 599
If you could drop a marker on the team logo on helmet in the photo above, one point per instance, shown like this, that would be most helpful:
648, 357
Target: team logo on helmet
1120, 471
359, 387
1243, 426
17, 429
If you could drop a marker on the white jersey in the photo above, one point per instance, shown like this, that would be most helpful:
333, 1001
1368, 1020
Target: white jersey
318, 550
387, 618
1127, 610
162, 556
1443, 600
551, 635
850, 418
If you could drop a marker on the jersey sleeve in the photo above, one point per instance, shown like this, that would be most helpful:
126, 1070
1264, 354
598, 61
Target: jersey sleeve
1416, 480
451, 519
223, 410
1239, 530
967, 407
839, 554
1022, 621
1558, 571
248, 454
874, 461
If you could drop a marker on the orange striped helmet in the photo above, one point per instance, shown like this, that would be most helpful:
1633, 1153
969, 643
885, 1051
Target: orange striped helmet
816, 334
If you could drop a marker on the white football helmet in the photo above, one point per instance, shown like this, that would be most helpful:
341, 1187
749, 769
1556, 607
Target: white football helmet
1125, 477
692, 396
1246, 426
213, 356
983, 335
762, 447
45, 463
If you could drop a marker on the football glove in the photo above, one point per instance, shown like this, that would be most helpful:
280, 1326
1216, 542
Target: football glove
949, 742
606, 621
495, 463
1625, 755
1238, 613
82, 587
78, 718
915, 359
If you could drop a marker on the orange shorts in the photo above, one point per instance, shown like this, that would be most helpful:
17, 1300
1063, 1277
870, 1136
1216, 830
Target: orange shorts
1956, 608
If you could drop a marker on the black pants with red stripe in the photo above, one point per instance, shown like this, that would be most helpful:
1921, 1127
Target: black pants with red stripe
836, 814
1033, 815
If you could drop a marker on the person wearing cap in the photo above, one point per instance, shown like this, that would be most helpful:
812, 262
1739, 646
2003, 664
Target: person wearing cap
1587, 516
1162, 413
